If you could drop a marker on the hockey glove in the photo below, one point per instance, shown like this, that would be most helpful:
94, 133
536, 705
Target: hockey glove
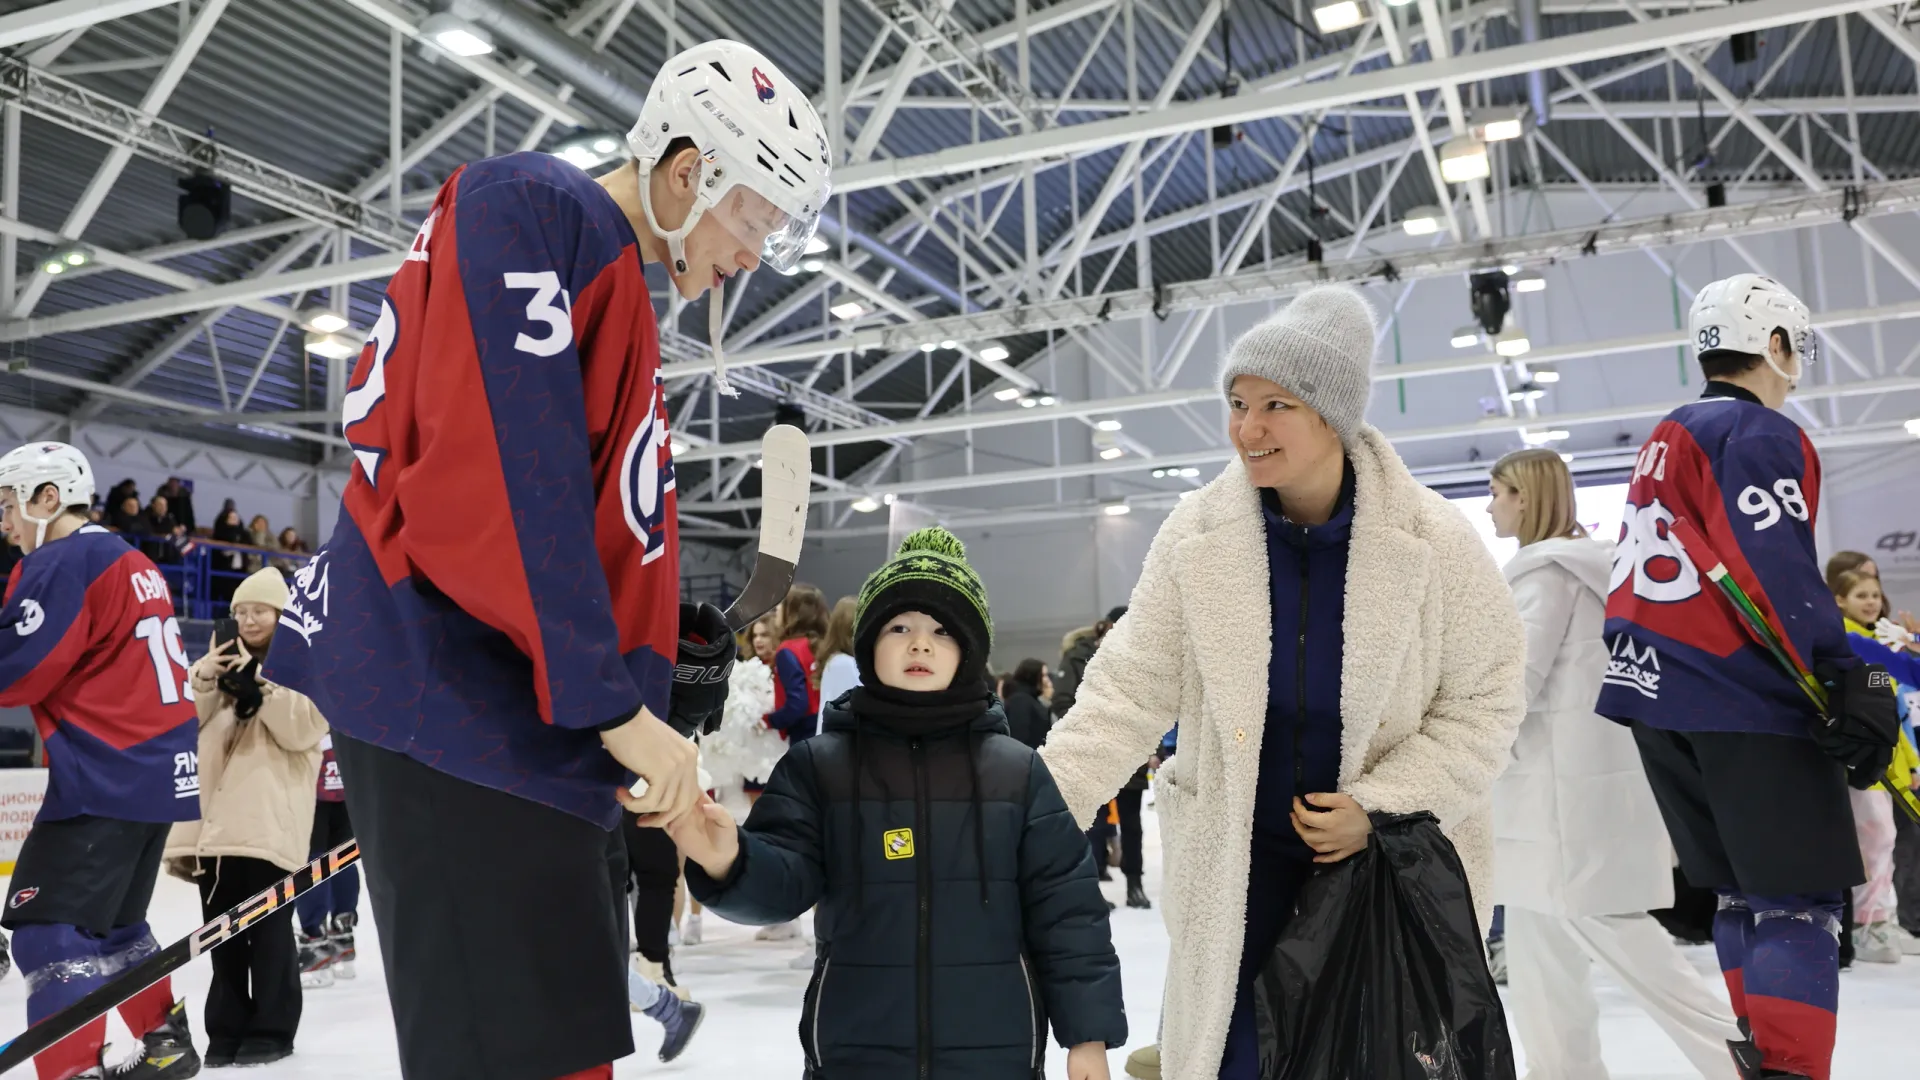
1862, 721
701, 672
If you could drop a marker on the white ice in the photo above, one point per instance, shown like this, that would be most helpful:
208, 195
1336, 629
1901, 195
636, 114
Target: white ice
753, 1000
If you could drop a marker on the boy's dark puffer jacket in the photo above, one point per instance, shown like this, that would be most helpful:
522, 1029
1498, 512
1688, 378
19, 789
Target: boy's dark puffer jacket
926, 968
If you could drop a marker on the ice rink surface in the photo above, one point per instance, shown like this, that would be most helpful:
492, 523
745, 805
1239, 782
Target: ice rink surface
753, 1001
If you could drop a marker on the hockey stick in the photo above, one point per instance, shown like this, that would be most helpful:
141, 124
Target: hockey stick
1763, 630
175, 956
786, 486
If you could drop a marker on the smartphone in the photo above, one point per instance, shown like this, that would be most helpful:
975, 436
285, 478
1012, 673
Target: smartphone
224, 630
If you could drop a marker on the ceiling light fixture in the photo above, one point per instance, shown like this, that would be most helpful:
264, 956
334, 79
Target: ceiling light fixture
676, 447
1465, 338
61, 260
1189, 472
1161, 474
1566, 457
865, 504
1913, 427
1512, 342
1108, 425
848, 310
994, 354
1333, 16
1028, 403
1501, 130
1464, 158
322, 320
1541, 438
1116, 509
456, 35
1049, 400
929, 346
813, 266
1112, 453
1526, 391
335, 346
1545, 375
949, 343
816, 245
1007, 393
1424, 221
1529, 281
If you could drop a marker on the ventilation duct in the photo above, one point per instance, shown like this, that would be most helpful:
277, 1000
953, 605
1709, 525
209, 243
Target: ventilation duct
1537, 100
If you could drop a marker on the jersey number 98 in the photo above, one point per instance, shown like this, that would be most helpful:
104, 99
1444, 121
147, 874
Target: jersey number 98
1755, 502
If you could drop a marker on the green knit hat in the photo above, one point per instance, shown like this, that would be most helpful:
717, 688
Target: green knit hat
929, 574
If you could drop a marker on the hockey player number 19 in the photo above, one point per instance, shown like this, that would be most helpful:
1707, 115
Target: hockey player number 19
1755, 502
165, 649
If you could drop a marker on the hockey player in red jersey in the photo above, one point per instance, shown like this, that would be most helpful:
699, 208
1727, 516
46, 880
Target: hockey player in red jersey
88, 641
492, 628
1751, 782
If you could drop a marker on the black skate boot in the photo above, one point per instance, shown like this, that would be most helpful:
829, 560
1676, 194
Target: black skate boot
316, 960
680, 1019
1746, 1059
1136, 894
340, 936
167, 1053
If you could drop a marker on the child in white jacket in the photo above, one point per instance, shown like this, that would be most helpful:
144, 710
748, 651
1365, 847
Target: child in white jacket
1580, 852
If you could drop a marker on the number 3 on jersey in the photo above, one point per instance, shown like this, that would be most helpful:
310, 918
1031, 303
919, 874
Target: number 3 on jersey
165, 649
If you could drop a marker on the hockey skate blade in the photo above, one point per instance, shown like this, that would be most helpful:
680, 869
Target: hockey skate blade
786, 483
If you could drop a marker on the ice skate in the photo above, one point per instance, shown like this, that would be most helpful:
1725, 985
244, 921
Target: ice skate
1137, 894
256, 1051
340, 938
690, 930
1907, 943
1497, 962
680, 1018
786, 931
166, 1052
1874, 944
316, 961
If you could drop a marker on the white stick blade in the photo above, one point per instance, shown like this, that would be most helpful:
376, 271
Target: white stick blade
786, 481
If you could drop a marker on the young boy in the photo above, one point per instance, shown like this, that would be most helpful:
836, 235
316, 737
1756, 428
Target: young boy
88, 640
1753, 786
958, 908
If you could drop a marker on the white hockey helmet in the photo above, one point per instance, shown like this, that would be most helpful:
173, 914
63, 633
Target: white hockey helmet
26, 469
1740, 314
758, 136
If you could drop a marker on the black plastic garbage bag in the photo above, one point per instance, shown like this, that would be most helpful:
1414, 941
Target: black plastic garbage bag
1380, 975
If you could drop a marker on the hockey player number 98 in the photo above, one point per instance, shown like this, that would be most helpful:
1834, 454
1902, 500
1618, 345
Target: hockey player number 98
1755, 502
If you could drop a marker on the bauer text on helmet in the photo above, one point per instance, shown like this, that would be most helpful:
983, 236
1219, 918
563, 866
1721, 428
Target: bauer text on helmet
29, 468
1740, 315
764, 167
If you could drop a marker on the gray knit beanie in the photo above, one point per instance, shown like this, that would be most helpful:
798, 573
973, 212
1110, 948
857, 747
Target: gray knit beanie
1320, 348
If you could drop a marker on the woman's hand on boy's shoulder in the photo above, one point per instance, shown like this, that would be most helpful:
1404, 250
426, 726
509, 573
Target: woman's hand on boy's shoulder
707, 835
1087, 1061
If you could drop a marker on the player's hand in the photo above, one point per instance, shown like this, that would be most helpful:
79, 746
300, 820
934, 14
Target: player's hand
1087, 1061
668, 763
708, 836
1334, 833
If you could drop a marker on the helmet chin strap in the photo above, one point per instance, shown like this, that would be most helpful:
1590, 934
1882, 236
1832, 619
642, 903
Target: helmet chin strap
1793, 381
39, 523
677, 257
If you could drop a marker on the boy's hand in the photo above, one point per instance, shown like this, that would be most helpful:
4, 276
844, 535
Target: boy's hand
708, 836
1087, 1061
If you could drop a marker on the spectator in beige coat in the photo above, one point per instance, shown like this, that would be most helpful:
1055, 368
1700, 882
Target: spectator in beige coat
259, 762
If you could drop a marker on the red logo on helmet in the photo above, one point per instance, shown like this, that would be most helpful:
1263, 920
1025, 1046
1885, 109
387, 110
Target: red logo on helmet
762, 85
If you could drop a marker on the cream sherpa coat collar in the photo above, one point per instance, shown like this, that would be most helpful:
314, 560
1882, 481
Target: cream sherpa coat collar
1431, 692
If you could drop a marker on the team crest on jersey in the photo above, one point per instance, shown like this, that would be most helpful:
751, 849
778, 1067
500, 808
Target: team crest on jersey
32, 616
646, 475
1635, 669
306, 609
24, 896
762, 85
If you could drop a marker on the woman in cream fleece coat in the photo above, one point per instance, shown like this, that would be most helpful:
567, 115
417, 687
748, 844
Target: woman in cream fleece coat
1429, 689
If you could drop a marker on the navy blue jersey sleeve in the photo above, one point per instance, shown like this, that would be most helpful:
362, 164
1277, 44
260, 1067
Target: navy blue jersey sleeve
793, 710
1767, 490
43, 629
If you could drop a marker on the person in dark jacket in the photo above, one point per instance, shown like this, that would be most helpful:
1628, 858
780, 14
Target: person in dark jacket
1080, 646
958, 915
1021, 692
179, 495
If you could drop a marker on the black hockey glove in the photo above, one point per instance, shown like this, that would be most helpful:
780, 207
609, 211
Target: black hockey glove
700, 675
1862, 721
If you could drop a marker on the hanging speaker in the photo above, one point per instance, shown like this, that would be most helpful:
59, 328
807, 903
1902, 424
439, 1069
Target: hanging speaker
206, 205
1745, 47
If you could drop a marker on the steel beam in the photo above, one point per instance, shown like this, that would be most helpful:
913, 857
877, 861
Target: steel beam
61, 16
1515, 60
226, 295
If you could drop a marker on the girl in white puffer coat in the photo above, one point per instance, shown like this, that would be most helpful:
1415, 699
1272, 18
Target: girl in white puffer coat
1580, 852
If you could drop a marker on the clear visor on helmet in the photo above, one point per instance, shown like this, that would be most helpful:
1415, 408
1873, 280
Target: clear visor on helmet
1806, 345
779, 238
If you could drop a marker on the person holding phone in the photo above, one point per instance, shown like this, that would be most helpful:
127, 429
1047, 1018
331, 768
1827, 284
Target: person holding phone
260, 752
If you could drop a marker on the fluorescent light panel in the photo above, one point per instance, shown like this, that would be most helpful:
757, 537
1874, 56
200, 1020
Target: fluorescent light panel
1338, 15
